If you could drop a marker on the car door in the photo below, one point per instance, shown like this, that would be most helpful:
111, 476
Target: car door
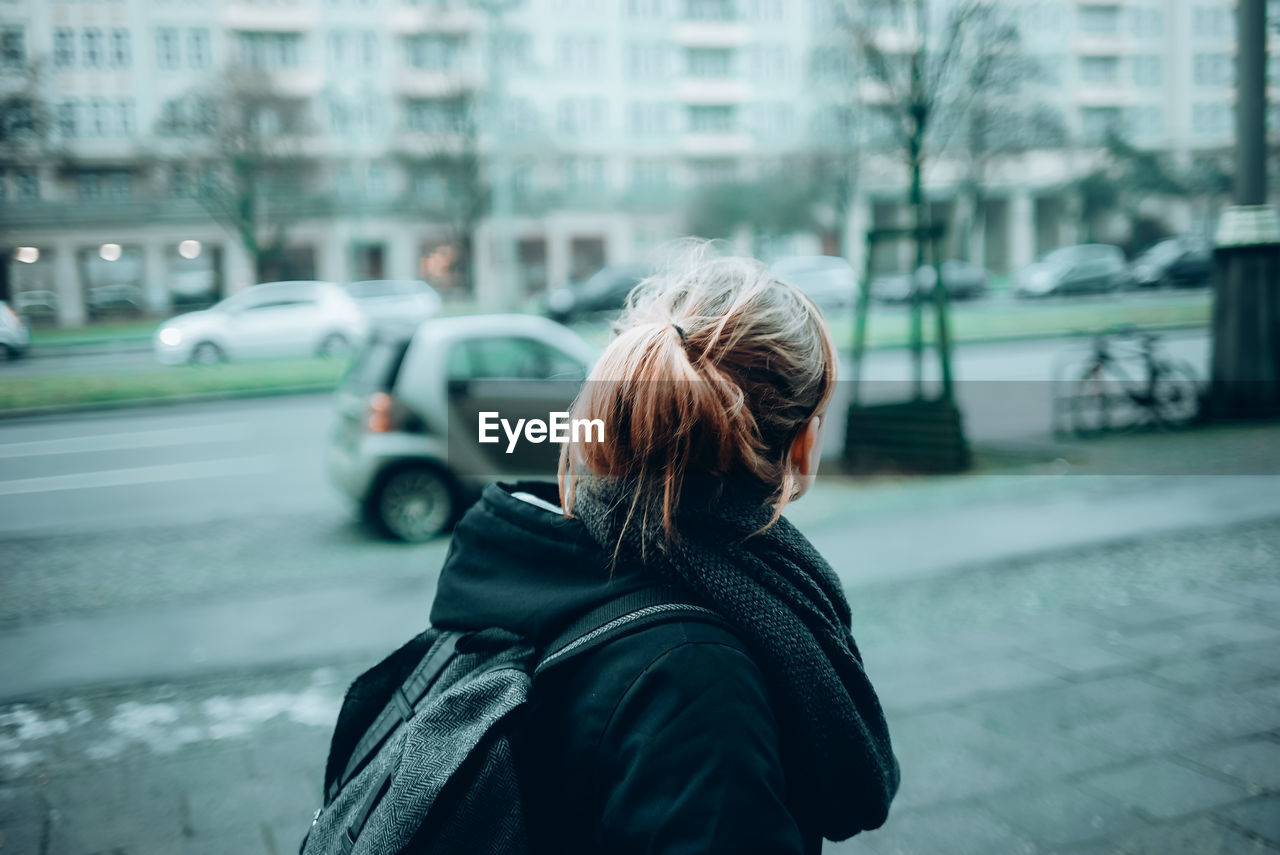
517, 378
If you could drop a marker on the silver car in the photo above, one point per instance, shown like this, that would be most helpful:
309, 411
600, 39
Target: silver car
405, 445
396, 302
829, 280
15, 337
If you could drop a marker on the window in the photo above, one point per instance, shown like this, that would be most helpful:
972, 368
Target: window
883, 14
125, 112
198, 52
28, 184
495, 358
433, 52
1147, 23
1214, 69
1212, 22
270, 51
709, 62
829, 63
581, 115
583, 173
711, 119
1103, 20
1146, 122
715, 170
89, 186
649, 119
92, 50
648, 173
647, 61
99, 118
179, 183
121, 55
118, 186
577, 54
1211, 119
1096, 123
337, 49
65, 117
1148, 70
644, 8
167, 47
767, 11
434, 115
64, 47
770, 62
369, 51
709, 10
1099, 69
13, 46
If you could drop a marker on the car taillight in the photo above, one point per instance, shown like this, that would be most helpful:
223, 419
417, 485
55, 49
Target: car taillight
382, 413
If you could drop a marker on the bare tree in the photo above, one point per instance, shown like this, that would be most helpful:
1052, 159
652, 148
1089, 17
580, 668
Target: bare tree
450, 182
245, 142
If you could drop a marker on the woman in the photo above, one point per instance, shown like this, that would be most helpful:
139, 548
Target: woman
763, 735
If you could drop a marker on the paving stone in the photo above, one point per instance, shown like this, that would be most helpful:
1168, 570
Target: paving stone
1146, 615
1255, 763
960, 830
1227, 714
931, 777
1043, 758
1224, 669
961, 681
1198, 836
1141, 732
1083, 656
1062, 815
1163, 789
22, 817
1239, 629
1057, 707
1260, 817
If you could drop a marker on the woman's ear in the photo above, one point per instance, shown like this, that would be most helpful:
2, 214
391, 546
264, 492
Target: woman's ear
806, 449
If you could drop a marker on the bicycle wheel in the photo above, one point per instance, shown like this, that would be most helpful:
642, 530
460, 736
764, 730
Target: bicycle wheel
1175, 395
1102, 401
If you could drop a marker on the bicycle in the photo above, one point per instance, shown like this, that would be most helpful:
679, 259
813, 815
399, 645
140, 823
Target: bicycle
1107, 393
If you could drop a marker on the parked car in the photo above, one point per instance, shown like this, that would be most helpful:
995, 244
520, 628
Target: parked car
405, 446
1086, 269
114, 298
273, 319
963, 280
602, 293
15, 337
36, 304
399, 302
829, 280
1178, 262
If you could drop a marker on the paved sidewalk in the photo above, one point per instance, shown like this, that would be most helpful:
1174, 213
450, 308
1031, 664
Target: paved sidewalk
1142, 725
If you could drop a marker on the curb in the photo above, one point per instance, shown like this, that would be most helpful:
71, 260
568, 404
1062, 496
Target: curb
175, 400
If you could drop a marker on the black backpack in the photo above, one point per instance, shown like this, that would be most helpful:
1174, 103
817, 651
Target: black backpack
421, 758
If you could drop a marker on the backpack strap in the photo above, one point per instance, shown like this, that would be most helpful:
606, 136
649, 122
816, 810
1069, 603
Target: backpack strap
399, 709
621, 616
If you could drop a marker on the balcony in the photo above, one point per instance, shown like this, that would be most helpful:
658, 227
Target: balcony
296, 82
715, 143
407, 20
433, 83
711, 34
283, 16
712, 90
1104, 94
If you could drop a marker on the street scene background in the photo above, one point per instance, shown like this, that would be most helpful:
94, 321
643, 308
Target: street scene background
256, 257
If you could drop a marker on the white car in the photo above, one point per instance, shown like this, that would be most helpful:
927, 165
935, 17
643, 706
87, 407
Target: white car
829, 280
15, 337
273, 319
396, 302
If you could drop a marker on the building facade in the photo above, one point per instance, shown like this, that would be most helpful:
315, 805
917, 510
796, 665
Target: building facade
612, 114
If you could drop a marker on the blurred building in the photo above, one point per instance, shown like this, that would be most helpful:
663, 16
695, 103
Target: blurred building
614, 113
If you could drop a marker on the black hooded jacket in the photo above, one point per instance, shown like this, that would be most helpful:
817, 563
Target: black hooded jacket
663, 741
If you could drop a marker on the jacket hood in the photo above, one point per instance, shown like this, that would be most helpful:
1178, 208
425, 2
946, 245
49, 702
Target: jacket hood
517, 566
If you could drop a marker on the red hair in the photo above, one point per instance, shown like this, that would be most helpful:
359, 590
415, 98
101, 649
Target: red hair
716, 367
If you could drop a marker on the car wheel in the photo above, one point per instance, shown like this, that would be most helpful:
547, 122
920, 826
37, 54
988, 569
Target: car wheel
333, 346
8, 353
207, 353
414, 503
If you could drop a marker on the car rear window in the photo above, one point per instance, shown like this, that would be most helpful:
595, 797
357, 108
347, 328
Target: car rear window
375, 367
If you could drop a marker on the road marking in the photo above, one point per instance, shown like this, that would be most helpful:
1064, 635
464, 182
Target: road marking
254, 465
133, 439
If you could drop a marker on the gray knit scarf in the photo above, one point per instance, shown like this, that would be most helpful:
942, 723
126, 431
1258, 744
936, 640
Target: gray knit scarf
787, 605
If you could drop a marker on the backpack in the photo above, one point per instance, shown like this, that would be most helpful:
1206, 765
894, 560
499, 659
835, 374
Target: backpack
421, 758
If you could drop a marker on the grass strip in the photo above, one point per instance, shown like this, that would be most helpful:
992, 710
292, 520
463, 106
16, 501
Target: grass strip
22, 393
